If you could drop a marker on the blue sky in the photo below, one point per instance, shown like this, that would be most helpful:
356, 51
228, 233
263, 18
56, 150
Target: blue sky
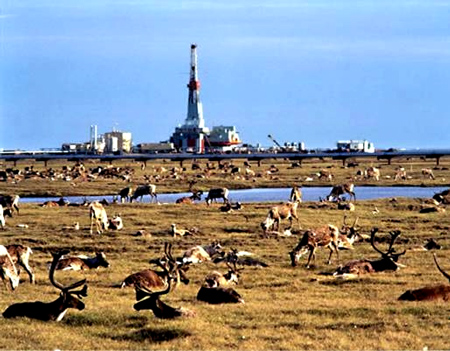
313, 71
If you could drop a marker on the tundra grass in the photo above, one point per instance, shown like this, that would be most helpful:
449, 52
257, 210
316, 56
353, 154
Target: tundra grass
285, 307
287, 176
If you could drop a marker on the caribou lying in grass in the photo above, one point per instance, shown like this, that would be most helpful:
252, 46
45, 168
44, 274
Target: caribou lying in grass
157, 280
77, 263
51, 311
387, 262
148, 295
435, 292
150, 300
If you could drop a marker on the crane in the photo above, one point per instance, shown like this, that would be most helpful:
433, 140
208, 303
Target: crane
276, 142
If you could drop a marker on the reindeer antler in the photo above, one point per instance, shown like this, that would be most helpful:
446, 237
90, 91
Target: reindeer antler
446, 275
56, 257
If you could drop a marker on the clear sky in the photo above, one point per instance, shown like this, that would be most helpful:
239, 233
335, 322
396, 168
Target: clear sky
316, 71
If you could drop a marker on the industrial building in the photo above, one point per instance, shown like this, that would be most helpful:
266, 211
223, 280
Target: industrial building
193, 136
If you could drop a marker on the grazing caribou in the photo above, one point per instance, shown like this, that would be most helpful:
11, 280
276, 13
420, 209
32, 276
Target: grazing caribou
20, 255
387, 262
217, 193
339, 190
51, 311
428, 173
10, 201
8, 271
372, 172
428, 293
125, 194
4, 212
77, 263
148, 189
97, 214
277, 213
327, 236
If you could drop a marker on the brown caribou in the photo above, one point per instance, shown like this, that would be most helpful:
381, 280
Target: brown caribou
51, 311
387, 262
277, 213
339, 190
435, 292
327, 236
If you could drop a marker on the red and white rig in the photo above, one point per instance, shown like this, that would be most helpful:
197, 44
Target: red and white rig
193, 136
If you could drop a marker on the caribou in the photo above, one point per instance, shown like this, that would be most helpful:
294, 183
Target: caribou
277, 213
77, 263
97, 214
428, 173
20, 255
296, 194
339, 190
150, 300
151, 279
8, 271
125, 194
148, 189
427, 293
327, 236
372, 172
217, 193
387, 262
51, 311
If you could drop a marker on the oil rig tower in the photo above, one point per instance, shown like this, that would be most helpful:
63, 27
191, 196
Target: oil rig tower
190, 137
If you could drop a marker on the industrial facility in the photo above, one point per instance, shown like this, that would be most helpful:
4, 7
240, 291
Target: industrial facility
114, 142
193, 136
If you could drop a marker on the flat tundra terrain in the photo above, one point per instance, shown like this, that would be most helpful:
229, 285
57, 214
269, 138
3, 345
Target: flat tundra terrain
285, 307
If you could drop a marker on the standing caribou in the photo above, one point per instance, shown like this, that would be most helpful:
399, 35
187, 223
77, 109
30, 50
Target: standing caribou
339, 190
277, 213
141, 190
436, 292
97, 214
217, 193
327, 236
8, 271
51, 311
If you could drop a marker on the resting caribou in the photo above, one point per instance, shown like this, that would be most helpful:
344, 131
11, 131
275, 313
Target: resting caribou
154, 280
51, 311
77, 263
436, 292
387, 262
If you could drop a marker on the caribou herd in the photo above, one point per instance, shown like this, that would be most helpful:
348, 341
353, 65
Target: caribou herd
167, 272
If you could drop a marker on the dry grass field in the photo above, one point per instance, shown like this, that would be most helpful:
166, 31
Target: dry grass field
285, 307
